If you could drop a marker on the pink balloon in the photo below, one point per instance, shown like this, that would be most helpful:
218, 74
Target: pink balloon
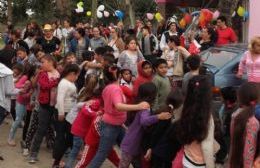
216, 15
149, 16
106, 13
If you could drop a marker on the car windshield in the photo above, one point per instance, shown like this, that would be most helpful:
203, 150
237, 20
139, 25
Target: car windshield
217, 57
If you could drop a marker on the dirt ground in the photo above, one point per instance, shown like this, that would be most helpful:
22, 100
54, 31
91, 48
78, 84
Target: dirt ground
13, 157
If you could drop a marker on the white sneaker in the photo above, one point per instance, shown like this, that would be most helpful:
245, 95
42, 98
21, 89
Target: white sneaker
25, 152
11, 142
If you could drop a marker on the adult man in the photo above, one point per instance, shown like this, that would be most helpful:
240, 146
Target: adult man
49, 43
226, 34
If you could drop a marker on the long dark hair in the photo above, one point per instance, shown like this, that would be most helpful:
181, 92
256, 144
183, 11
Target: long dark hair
247, 98
70, 68
146, 92
194, 121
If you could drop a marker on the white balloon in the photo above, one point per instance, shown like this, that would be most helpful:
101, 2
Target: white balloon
99, 14
106, 13
79, 10
101, 8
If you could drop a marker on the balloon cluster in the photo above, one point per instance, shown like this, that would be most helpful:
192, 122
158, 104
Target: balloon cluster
157, 16
102, 12
80, 8
241, 11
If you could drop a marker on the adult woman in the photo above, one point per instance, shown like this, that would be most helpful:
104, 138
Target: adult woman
80, 43
97, 40
66, 35
56, 30
250, 63
116, 41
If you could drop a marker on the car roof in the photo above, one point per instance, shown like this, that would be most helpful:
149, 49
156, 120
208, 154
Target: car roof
235, 46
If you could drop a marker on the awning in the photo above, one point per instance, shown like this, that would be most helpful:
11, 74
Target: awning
189, 3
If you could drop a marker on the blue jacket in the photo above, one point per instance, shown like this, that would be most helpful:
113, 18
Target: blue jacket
74, 44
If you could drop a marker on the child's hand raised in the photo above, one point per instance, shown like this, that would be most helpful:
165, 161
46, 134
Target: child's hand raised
144, 105
164, 116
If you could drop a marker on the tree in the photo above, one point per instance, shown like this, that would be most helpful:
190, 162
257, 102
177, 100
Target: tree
9, 11
227, 7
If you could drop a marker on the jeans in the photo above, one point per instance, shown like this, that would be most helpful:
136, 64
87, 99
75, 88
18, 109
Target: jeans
77, 143
45, 116
109, 136
20, 112
3, 113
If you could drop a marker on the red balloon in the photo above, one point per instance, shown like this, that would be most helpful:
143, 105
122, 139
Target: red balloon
187, 18
208, 15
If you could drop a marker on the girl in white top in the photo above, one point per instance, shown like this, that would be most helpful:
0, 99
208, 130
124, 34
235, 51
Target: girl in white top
66, 98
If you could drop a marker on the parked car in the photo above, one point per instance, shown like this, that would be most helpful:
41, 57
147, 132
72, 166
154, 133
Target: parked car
221, 64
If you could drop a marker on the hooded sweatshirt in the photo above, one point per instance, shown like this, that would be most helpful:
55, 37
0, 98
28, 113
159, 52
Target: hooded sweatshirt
141, 78
7, 88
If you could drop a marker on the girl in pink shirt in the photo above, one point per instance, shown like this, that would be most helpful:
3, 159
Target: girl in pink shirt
244, 129
22, 100
111, 128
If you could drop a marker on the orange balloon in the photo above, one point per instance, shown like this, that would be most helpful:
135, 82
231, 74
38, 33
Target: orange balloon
182, 23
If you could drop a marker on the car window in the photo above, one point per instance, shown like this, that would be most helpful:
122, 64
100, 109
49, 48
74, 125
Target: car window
217, 57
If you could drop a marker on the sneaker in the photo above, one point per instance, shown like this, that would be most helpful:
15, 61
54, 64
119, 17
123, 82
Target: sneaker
11, 142
25, 152
32, 160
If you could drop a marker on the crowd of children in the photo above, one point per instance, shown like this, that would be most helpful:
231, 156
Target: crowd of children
129, 108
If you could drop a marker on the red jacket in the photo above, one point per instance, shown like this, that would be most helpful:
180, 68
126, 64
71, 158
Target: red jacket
87, 114
141, 78
45, 85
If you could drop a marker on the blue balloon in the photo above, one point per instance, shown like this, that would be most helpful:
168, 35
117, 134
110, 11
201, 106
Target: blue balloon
119, 14
246, 15
196, 13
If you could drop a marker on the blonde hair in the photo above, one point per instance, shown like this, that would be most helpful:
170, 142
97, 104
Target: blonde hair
87, 91
254, 41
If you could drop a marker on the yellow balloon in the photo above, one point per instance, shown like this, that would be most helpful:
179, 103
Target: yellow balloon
158, 16
88, 13
241, 11
80, 4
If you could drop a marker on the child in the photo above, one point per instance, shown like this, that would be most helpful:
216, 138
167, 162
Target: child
163, 150
66, 99
114, 116
17, 74
129, 58
92, 140
126, 84
48, 79
162, 83
22, 100
244, 124
145, 74
81, 119
22, 56
197, 126
131, 144
70, 58
194, 66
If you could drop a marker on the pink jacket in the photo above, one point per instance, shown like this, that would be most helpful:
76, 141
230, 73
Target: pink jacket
87, 114
24, 84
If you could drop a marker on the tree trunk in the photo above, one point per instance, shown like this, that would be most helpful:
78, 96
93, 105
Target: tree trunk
9, 11
131, 12
94, 11
227, 7
64, 7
